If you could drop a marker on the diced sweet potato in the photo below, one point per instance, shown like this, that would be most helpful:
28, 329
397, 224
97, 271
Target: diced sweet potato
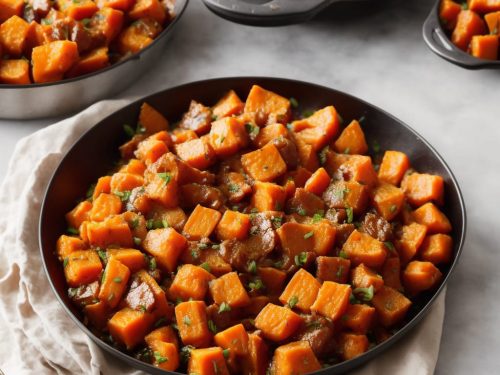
111, 231
258, 356
420, 276
430, 216
109, 22
230, 104
359, 168
351, 140
493, 21
97, 314
295, 358
412, 237
132, 258
129, 326
269, 133
391, 273
227, 136
190, 282
437, 248
421, 188
9, 8
393, 167
358, 318
277, 323
352, 345
318, 129
166, 355
134, 166
347, 194
165, 245
150, 150
50, 61
307, 155
197, 153
121, 182
228, 289
67, 245
82, 267
272, 278
161, 308
264, 164
268, 196
362, 248
388, 200
92, 61
448, 13
468, 24
103, 185
318, 182
163, 188
114, 282
79, 214
138, 35
201, 223
235, 339
295, 238
15, 72
77, 10
266, 107
333, 269
364, 277
483, 6
233, 225
301, 291
148, 9
13, 34
164, 334
391, 306
207, 361
104, 206
191, 319
332, 300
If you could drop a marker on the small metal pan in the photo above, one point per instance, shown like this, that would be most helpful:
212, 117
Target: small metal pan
436, 39
95, 153
53, 99
268, 12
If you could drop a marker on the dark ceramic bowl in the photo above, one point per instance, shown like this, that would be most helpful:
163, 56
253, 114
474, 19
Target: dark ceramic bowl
59, 98
436, 39
80, 167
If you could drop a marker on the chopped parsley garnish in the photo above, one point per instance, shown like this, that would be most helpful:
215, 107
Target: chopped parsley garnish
205, 266
362, 119
137, 241
301, 212
117, 280
142, 308
225, 353
160, 321
350, 215
215, 246
211, 326
365, 294
252, 130
307, 113
339, 272
393, 208
390, 246
343, 254
318, 216
202, 246
252, 266
129, 131
165, 176
277, 220
347, 150
102, 254
90, 191
233, 188
186, 320
156, 224
376, 147
293, 102
323, 154
195, 254
224, 307
123, 195
72, 230
65, 262
135, 223
308, 235
152, 264
293, 301
256, 285
300, 259
159, 358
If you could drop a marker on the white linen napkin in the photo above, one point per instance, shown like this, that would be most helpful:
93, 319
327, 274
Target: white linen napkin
37, 336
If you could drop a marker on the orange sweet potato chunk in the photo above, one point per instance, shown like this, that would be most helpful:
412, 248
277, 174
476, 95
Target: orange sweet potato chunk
264, 164
15, 72
295, 358
103, 185
109, 22
235, 339
201, 223
13, 34
138, 35
233, 225
333, 269
332, 300
318, 182
484, 47
272, 278
164, 334
121, 181
266, 107
163, 188
412, 237
362, 248
152, 120
493, 21
77, 10
191, 319
388, 200
50, 61
82, 267
230, 104
420, 276
437, 248
227, 136
92, 61
351, 140
301, 291
114, 282
197, 153
307, 155
421, 188
352, 345
79, 214
359, 168
277, 323
391, 306
432, 217
123, 5
448, 13
345, 194
207, 361
150, 150
318, 129
190, 282
228, 289
359, 318
296, 237
9, 8
104, 206
128, 327
67, 245
268, 196
258, 356
393, 167
111, 231
148, 9
132, 258
391, 273
97, 314
166, 355
469, 23
364, 277
483, 6
269, 133
166, 245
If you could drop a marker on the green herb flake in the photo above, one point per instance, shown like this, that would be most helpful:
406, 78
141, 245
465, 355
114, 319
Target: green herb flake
142, 308
318, 216
350, 214
308, 235
205, 266
65, 262
222, 139
322, 155
294, 103
137, 241
117, 280
90, 191
152, 264
301, 212
216, 246
212, 327
165, 176
129, 131
72, 230
186, 320
111, 296
102, 254
376, 147
277, 221
390, 246
307, 113
202, 246
393, 208
159, 358
233, 188
140, 128
343, 254
347, 150
225, 353
256, 285
362, 119
365, 294
195, 254
465, 6
339, 272
135, 223
224, 307
293, 301
300, 259
252, 130
123, 195
353, 300
86, 22
252, 266
160, 322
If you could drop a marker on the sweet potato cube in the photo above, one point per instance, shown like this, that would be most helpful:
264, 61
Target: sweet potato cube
229, 289
295, 238
230, 104
318, 182
483, 6
103, 185
266, 107
111, 231
132, 258
364, 277
269, 133
273, 279
90, 62
164, 334
362, 248
197, 153
166, 355
164, 189
161, 308
166, 245
134, 166
264, 164
15, 72
277, 323
123, 5
332, 300
77, 10
344, 194
333, 269
207, 361
114, 282
9, 8
234, 338
448, 13
351, 140
307, 155
258, 356
190, 282
360, 168
148, 9
121, 182
437, 248
352, 345
13, 34
421, 188
393, 167
484, 47
391, 306
412, 237
388, 200
301, 291
227, 136
67, 245
191, 319
493, 21
97, 314
150, 150
358, 318
137, 36
469, 23
128, 327
295, 358
109, 22
391, 273
430, 216
318, 129
104, 206
50, 61
201, 223
82, 267
233, 225
268, 196
420, 276
79, 214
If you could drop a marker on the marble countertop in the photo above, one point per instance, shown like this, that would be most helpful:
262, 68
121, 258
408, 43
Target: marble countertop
374, 51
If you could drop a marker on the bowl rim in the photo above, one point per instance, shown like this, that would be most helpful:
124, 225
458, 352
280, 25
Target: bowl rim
135, 56
437, 40
345, 365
